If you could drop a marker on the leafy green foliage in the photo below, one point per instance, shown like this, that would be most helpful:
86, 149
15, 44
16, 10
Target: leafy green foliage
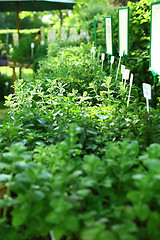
22, 53
5, 86
140, 13
76, 161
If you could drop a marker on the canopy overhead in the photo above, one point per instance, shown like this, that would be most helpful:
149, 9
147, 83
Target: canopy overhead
34, 5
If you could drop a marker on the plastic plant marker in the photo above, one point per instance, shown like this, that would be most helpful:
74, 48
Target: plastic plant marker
109, 35
121, 53
16, 39
93, 50
123, 30
63, 35
42, 42
129, 95
120, 56
102, 58
122, 68
154, 59
126, 76
147, 94
122, 71
32, 49
32, 45
155, 38
112, 61
73, 36
52, 35
52, 235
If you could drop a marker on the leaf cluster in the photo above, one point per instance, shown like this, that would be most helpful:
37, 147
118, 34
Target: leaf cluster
77, 163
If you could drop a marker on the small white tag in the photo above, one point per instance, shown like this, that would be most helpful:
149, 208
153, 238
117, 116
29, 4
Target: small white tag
103, 56
126, 74
93, 50
32, 45
147, 90
121, 53
42, 42
122, 69
6, 83
131, 82
112, 59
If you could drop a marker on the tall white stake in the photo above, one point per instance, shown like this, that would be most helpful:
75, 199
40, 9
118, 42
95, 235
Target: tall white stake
120, 56
102, 58
131, 82
147, 94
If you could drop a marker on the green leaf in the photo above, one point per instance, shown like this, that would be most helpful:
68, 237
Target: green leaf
133, 196
154, 150
4, 177
83, 192
153, 225
19, 215
107, 235
72, 223
142, 211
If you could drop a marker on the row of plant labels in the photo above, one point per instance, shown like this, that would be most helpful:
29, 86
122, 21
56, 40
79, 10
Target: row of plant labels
126, 75
123, 36
52, 35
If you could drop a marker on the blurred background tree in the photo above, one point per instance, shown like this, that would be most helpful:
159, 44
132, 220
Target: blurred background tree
28, 20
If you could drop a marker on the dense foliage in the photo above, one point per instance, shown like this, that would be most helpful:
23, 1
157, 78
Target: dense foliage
27, 21
5, 86
76, 161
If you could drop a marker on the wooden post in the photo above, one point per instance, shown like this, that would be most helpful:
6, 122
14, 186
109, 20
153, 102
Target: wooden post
17, 15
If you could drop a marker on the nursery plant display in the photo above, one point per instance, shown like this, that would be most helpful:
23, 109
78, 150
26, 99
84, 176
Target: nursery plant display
76, 161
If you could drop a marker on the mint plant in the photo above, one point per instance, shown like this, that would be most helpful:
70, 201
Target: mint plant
76, 161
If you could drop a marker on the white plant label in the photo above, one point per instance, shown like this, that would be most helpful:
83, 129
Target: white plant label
121, 53
32, 48
118, 67
112, 59
123, 29
131, 83
122, 69
73, 36
147, 90
52, 35
103, 56
147, 94
93, 50
15, 39
126, 74
108, 26
155, 38
32, 45
120, 56
42, 42
63, 33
